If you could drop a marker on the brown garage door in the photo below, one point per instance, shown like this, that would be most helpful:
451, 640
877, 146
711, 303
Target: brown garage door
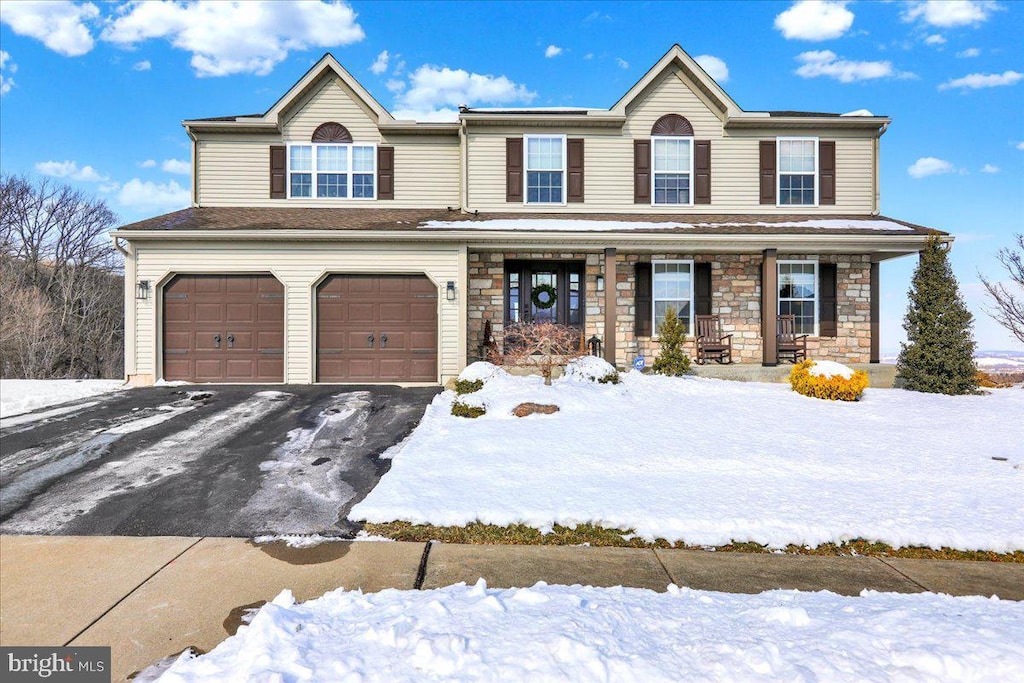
224, 328
376, 328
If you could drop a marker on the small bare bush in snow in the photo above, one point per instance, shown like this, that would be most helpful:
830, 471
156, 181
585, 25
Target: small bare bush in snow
541, 346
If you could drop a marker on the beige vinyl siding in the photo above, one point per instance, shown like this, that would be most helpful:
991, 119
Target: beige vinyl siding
300, 266
332, 101
234, 170
608, 174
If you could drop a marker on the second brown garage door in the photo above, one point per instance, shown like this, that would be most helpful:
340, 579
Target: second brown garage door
224, 328
376, 328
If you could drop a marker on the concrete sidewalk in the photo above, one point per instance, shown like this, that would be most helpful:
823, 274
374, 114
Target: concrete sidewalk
148, 598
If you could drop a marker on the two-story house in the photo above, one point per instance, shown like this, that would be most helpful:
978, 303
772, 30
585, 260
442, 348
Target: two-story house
329, 242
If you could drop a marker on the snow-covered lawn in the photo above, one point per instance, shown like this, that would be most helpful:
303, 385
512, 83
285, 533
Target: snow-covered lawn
708, 462
573, 633
24, 395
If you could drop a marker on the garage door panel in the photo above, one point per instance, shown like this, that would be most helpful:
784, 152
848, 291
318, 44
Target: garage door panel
199, 308
351, 307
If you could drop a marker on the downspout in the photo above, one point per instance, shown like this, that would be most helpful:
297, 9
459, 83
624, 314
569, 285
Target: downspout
876, 198
463, 165
130, 313
195, 162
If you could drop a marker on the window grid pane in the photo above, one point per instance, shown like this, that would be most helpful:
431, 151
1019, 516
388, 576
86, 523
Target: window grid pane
671, 188
301, 184
362, 185
362, 159
301, 158
672, 289
331, 158
544, 187
796, 189
544, 154
331, 185
671, 156
797, 288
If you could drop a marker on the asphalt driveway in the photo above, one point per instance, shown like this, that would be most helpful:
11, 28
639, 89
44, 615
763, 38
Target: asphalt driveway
203, 460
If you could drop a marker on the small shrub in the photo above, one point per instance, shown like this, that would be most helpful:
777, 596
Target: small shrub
468, 386
591, 369
460, 409
610, 378
987, 381
833, 388
672, 359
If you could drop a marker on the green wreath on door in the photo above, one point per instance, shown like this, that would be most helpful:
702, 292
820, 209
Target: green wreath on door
544, 296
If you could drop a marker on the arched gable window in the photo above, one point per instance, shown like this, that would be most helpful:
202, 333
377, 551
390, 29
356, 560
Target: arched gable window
331, 166
672, 160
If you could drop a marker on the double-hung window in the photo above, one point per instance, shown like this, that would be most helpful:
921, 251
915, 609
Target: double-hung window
672, 164
332, 171
798, 171
545, 169
672, 288
798, 294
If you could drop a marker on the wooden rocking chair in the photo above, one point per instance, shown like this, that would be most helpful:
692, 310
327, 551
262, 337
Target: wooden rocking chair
788, 344
711, 343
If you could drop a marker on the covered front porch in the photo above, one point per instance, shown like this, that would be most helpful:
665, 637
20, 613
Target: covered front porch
619, 296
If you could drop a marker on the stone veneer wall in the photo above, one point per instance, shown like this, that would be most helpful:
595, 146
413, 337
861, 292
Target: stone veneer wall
736, 296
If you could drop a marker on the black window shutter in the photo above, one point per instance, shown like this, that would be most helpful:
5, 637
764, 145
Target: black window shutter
827, 171
278, 172
574, 154
768, 172
702, 288
644, 292
641, 171
385, 173
513, 169
702, 172
828, 321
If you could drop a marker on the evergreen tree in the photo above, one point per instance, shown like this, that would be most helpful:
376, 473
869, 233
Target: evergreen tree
938, 356
672, 359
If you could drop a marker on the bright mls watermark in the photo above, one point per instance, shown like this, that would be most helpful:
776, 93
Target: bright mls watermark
55, 664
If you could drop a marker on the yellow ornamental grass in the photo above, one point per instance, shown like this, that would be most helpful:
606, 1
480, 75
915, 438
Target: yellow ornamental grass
833, 388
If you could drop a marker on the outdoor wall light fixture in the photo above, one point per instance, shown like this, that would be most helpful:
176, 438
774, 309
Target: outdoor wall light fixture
449, 290
142, 290
600, 283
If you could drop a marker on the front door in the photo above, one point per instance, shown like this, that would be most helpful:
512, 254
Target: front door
544, 292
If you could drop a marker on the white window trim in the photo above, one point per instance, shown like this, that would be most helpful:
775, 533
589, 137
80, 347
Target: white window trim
778, 172
313, 171
526, 169
688, 138
654, 300
817, 286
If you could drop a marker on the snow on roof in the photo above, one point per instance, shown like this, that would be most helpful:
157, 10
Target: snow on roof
858, 112
580, 225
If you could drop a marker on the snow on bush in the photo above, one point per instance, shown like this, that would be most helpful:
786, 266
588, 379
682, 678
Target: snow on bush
828, 380
480, 371
581, 633
591, 369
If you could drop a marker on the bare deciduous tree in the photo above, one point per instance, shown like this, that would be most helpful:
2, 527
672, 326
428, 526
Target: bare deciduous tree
62, 309
540, 345
1008, 305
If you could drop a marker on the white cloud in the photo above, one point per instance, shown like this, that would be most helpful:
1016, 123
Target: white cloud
589, 55
935, 39
434, 93
826, 63
380, 65
6, 81
948, 13
976, 81
236, 37
623, 64
176, 166
1020, 146
552, 51
395, 85
926, 166
968, 53
70, 170
144, 65
814, 20
715, 67
59, 24
990, 168
148, 163
149, 196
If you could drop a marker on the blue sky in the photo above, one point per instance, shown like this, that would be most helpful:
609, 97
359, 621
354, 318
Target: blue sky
95, 93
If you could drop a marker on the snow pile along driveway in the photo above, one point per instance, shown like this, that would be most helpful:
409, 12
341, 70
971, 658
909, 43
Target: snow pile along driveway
23, 395
708, 462
573, 633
